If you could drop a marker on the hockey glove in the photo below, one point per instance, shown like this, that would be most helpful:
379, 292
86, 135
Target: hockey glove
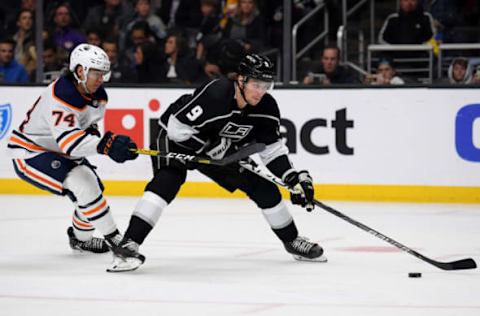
117, 147
219, 148
302, 185
93, 130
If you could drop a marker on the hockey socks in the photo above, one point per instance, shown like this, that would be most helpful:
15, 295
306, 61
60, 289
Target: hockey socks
137, 230
82, 228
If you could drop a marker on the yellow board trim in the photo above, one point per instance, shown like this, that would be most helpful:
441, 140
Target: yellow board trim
341, 192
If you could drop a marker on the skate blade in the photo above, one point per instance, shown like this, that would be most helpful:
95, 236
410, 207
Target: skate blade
83, 251
124, 265
320, 259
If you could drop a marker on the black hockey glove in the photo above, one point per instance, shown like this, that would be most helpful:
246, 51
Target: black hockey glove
218, 148
117, 147
302, 185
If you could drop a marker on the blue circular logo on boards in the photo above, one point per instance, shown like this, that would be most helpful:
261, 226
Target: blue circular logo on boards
5, 119
464, 141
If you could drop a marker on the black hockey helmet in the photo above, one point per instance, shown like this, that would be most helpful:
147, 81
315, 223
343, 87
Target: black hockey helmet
256, 67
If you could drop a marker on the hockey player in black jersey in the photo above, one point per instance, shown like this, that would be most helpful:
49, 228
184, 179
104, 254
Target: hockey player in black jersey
218, 117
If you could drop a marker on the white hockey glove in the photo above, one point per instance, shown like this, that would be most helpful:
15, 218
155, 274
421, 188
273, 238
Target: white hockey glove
302, 185
219, 148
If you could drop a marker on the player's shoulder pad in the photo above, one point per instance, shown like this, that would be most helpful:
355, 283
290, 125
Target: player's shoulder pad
64, 91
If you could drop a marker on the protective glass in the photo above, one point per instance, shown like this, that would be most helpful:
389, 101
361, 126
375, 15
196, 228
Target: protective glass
259, 85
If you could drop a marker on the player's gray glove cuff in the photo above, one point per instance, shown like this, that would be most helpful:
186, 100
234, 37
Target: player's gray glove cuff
302, 192
219, 148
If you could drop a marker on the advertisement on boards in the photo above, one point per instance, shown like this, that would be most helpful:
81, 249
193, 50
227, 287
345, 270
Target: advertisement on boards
412, 136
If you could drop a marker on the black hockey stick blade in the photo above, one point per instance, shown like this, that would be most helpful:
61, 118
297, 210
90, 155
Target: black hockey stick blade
240, 154
462, 264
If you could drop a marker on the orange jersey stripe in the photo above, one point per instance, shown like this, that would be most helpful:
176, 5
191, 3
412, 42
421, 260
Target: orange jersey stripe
78, 223
41, 179
70, 139
96, 209
29, 146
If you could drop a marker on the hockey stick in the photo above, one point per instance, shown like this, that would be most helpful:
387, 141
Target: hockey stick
240, 154
462, 264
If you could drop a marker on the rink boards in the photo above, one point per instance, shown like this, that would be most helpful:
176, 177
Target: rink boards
403, 144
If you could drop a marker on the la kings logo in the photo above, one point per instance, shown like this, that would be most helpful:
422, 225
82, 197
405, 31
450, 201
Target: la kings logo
234, 131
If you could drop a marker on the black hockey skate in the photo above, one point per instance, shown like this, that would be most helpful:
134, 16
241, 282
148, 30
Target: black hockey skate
95, 245
304, 250
125, 255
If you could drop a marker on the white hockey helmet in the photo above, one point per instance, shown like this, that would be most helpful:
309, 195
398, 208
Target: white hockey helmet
89, 56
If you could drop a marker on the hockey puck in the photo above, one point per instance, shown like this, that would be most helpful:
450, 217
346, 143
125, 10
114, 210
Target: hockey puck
414, 275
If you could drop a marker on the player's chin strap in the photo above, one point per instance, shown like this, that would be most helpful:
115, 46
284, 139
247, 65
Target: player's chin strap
83, 83
241, 88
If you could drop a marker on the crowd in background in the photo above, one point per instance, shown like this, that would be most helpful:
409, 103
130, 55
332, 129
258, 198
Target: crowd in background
186, 41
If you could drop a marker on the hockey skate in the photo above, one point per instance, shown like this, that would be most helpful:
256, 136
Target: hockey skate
125, 256
304, 250
95, 245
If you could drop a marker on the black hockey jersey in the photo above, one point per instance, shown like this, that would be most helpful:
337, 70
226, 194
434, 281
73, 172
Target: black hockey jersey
195, 121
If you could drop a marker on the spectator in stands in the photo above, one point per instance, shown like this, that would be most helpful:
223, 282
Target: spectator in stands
10, 70
385, 74
79, 9
329, 71
179, 65
188, 20
52, 66
120, 72
139, 34
64, 35
228, 10
168, 11
25, 43
210, 30
182, 16
28, 4
148, 63
188, 15
411, 25
460, 71
247, 26
9, 11
108, 16
223, 59
476, 75
143, 12
94, 37
446, 15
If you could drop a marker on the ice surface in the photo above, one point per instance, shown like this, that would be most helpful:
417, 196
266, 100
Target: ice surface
219, 257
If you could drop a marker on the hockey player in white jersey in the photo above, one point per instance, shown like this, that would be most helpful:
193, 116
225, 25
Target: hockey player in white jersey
50, 146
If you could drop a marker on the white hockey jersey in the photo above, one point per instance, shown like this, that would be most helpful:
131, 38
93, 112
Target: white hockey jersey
57, 122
